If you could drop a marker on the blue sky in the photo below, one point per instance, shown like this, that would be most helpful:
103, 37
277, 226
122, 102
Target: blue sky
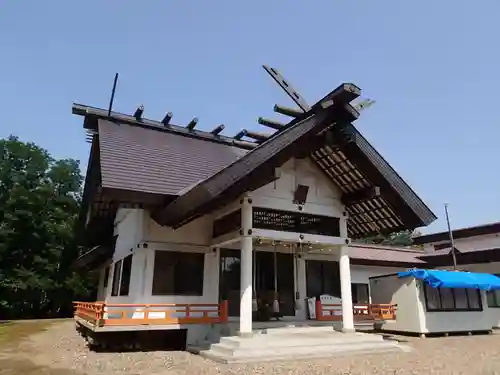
432, 67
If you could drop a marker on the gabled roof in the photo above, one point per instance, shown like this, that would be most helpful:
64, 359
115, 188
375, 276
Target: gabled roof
257, 167
478, 230
196, 171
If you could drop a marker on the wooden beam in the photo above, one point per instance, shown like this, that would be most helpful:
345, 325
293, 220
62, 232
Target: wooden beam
271, 123
287, 87
287, 111
361, 195
244, 144
218, 129
240, 134
261, 137
167, 118
192, 123
138, 113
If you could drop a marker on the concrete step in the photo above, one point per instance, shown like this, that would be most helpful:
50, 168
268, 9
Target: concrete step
222, 354
230, 350
299, 340
292, 329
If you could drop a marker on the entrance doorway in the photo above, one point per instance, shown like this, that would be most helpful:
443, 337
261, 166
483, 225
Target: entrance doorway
264, 271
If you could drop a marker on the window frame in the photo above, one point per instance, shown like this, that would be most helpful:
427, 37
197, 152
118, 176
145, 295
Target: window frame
324, 266
117, 273
496, 299
452, 290
354, 287
124, 289
117, 283
176, 255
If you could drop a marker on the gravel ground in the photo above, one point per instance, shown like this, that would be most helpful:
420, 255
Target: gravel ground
60, 351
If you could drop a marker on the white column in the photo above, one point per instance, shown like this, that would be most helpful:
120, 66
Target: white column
345, 291
246, 268
302, 288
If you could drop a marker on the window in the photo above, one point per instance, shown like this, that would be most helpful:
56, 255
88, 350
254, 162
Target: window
461, 299
452, 299
125, 279
322, 278
121, 277
360, 293
116, 278
178, 273
106, 277
447, 299
493, 297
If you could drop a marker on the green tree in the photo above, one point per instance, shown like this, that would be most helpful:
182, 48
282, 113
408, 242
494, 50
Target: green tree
39, 202
402, 238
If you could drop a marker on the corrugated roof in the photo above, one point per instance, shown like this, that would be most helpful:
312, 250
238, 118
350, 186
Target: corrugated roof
441, 252
447, 251
477, 230
140, 159
385, 254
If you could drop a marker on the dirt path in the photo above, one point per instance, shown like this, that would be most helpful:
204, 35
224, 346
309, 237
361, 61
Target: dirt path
16, 353
58, 350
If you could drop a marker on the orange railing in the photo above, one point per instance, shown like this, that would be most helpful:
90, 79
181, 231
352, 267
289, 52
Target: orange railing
92, 312
110, 314
362, 311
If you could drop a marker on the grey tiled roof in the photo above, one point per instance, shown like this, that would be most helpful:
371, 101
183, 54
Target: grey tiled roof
141, 159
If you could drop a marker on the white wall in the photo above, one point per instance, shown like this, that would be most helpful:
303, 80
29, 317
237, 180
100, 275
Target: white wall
323, 197
197, 232
102, 291
403, 293
362, 274
129, 225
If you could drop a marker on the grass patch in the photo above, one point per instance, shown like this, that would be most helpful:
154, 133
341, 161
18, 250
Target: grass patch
13, 332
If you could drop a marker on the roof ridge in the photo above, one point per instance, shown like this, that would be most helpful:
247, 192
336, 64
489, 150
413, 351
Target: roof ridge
100, 113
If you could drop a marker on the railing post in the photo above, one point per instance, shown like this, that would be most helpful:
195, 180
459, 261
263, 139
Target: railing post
99, 314
223, 311
319, 310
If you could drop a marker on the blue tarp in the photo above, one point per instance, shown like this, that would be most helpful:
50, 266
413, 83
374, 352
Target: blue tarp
454, 279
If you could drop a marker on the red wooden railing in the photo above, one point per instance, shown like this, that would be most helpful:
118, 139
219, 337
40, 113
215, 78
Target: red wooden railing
362, 311
110, 314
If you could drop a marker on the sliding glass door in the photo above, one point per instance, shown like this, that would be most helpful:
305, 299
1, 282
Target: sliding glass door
264, 271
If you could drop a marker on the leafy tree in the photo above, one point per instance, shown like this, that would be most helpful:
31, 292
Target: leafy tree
403, 238
39, 202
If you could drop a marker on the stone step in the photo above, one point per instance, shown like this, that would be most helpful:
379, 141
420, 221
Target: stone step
224, 354
292, 329
229, 350
302, 328
299, 340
